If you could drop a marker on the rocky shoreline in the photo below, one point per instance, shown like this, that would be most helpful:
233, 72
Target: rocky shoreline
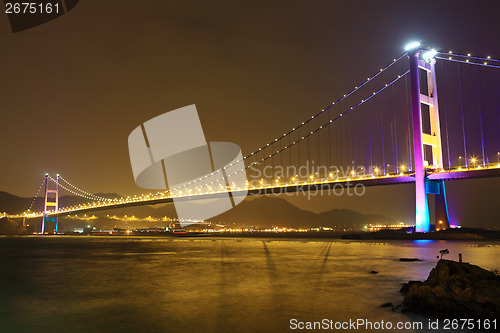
473, 234
455, 289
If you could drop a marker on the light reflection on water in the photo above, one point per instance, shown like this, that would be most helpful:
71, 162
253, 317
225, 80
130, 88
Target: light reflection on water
136, 284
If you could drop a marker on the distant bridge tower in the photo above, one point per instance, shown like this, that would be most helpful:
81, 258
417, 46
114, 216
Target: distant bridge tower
429, 143
51, 203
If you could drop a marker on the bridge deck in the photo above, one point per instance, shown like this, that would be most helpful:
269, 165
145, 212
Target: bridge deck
319, 185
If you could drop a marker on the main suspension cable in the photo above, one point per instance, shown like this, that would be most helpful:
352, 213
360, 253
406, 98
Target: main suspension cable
36, 195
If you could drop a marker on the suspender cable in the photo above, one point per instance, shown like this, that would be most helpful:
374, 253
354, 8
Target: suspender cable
370, 132
281, 155
271, 153
392, 144
340, 144
395, 133
329, 162
446, 118
308, 144
290, 151
478, 78
382, 129
358, 155
407, 130
264, 164
299, 142
462, 111
407, 138
349, 141
319, 146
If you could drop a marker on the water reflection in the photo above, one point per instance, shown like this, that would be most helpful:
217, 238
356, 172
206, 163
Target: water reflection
127, 284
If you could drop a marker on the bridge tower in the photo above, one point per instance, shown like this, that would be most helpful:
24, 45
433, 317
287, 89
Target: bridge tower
51, 203
427, 146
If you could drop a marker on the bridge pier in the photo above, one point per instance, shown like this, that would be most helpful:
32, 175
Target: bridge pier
437, 188
442, 218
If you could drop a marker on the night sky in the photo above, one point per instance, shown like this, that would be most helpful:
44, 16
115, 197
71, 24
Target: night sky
72, 90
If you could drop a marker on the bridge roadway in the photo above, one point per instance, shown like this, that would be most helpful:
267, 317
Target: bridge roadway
492, 170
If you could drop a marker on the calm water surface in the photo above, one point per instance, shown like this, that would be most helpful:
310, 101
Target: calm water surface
138, 284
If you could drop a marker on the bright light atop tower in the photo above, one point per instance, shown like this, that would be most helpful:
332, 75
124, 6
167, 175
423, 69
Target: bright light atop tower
429, 55
411, 46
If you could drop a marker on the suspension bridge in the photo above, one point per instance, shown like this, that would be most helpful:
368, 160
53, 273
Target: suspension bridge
426, 118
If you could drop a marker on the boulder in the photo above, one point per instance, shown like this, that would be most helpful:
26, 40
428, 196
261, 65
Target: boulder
455, 289
406, 286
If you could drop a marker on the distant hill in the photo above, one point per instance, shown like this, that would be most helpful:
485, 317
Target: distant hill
258, 212
13, 204
272, 211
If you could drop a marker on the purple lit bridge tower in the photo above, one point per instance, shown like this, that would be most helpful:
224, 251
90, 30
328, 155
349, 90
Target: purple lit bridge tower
51, 204
422, 141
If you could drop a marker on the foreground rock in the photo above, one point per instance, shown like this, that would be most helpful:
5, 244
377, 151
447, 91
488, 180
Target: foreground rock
455, 289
